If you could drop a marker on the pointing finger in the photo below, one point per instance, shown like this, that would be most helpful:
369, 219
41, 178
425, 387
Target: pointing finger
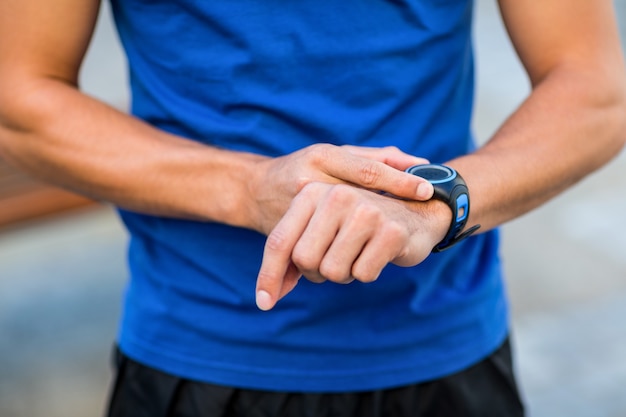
277, 275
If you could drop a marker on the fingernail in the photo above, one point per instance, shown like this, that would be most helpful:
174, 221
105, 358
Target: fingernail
424, 190
263, 300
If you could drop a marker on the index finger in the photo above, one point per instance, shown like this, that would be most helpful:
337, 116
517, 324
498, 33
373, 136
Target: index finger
277, 275
389, 155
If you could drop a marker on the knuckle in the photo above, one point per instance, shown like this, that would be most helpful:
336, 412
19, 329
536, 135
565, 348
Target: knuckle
403, 253
320, 152
406, 183
309, 192
370, 174
333, 272
302, 182
367, 213
364, 274
392, 149
339, 196
306, 187
265, 278
395, 238
303, 260
398, 243
277, 241
395, 232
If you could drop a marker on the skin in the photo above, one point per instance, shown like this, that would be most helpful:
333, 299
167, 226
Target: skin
316, 205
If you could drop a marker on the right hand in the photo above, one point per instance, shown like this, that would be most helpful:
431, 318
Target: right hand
278, 180
342, 233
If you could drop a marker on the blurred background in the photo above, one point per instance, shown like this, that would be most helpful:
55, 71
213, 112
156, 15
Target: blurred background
62, 270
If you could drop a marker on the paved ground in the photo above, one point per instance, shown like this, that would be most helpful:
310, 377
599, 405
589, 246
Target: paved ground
61, 278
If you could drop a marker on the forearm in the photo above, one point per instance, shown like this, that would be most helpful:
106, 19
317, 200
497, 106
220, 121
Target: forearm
572, 123
56, 133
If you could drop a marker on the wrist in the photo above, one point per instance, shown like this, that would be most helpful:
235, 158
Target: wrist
264, 197
440, 217
237, 205
450, 189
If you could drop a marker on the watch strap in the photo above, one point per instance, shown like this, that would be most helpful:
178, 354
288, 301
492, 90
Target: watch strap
448, 242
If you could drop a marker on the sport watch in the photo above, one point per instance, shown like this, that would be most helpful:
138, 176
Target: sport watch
451, 189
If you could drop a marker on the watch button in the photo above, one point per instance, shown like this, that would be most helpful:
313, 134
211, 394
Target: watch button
462, 204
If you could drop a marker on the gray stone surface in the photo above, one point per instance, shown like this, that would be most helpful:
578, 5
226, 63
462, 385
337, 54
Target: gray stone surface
60, 285
61, 278
565, 264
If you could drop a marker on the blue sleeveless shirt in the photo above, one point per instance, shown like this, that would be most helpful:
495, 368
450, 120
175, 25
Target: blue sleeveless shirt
272, 77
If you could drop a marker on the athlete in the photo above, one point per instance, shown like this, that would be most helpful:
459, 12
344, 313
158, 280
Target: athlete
282, 260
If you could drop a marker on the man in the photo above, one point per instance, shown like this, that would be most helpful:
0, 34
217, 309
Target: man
267, 142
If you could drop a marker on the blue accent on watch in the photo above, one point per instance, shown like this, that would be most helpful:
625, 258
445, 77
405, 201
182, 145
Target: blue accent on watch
462, 203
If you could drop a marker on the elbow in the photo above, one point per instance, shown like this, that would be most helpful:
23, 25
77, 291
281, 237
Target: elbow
605, 98
23, 112
595, 98
9, 128
621, 117
615, 116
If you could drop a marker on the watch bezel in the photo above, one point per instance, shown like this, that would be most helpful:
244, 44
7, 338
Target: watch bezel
453, 191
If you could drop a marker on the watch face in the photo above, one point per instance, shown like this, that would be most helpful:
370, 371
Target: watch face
435, 174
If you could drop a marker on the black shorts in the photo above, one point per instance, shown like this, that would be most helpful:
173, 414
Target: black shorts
483, 390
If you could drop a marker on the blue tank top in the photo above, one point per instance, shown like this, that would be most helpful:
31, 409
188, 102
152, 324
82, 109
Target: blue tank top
272, 77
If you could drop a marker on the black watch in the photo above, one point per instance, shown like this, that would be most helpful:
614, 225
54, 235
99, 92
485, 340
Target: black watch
451, 189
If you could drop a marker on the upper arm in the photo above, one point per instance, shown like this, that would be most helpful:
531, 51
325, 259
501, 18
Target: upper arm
550, 34
44, 38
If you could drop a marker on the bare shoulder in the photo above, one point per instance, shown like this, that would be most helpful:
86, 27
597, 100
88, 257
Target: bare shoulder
45, 37
551, 33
